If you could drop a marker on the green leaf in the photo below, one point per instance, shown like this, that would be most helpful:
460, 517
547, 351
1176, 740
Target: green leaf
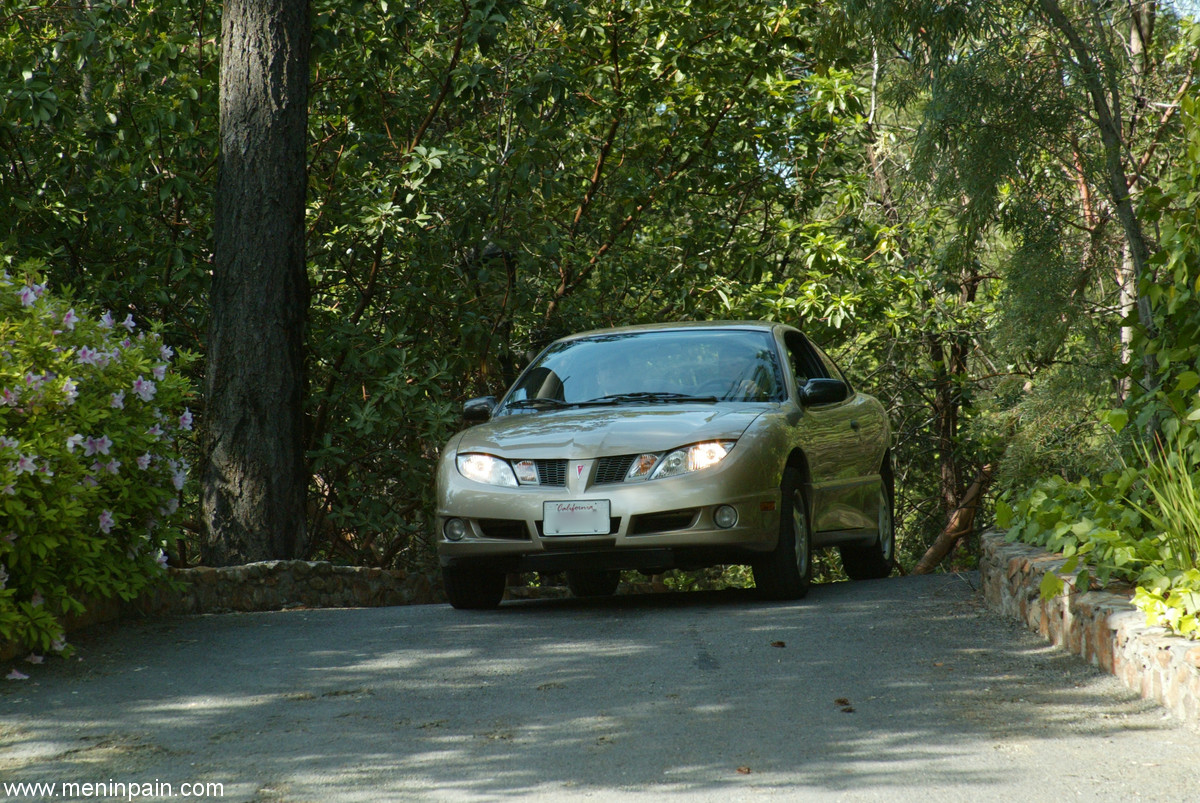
1051, 586
1117, 419
1186, 381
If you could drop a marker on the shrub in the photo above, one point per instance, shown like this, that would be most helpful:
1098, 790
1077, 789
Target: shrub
91, 419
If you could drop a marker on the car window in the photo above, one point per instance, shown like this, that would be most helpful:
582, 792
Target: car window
805, 363
726, 364
831, 368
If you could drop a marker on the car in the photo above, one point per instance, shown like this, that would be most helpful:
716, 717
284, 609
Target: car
667, 446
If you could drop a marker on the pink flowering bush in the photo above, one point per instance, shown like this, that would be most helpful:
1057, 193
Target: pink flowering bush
92, 418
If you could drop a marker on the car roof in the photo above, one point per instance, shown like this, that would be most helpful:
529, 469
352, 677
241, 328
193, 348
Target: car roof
759, 326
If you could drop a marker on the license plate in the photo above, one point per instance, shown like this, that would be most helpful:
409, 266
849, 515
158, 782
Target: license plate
576, 518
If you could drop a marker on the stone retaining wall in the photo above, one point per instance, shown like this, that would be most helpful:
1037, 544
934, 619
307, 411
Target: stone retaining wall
278, 584
1101, 626
265, 586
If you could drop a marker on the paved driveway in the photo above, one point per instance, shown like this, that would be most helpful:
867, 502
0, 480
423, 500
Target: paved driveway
902, 689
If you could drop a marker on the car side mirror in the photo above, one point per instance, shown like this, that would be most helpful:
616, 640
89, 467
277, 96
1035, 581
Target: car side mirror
477, 411
824, 391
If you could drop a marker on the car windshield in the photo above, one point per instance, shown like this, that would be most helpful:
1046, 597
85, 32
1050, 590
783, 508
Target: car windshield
652, 367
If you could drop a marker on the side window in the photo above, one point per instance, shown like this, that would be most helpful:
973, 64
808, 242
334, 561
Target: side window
804, 363
830, 366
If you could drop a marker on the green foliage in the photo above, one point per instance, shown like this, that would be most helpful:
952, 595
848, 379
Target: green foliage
108, 136
91, 424
1142, 522
488, 176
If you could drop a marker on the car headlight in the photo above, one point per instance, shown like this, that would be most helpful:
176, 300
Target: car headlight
486, 469
692, 458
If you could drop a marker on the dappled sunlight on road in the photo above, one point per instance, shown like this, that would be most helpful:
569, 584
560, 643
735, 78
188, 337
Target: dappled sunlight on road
882, 688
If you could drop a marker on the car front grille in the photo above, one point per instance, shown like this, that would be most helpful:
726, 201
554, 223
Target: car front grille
649, 523
552, 472
507, 529
611, 470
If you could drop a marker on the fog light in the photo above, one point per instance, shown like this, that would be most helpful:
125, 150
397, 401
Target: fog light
725, 517
455, 529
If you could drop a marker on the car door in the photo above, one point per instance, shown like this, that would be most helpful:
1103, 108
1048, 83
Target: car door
832, 439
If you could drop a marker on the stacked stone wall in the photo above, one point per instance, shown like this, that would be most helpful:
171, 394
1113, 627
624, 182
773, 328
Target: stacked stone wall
1102, 627
264, 586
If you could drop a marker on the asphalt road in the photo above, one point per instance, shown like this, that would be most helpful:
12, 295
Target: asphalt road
902, 689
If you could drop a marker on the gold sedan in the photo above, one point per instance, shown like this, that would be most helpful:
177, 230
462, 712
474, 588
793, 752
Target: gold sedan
667, 446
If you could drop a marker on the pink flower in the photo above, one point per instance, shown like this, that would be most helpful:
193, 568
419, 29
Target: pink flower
169, 508
159, 372
24, 465
106, 522
143, 389
155, 432
59, 644
87, 356
106, 320
33, 658
27, 295
10, 397
112, 467
118, 400
73, 441
99, 445
143, 462
70, 319
15, 675
71, 389
161, 559
8, 443
128, 323
166, 352
185, 420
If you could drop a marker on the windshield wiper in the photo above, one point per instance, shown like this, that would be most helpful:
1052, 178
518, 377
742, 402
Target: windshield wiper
651, 396
541, 403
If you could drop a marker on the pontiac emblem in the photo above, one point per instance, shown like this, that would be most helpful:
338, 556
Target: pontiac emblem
579, 470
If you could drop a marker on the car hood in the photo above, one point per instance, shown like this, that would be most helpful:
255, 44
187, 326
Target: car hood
608, 431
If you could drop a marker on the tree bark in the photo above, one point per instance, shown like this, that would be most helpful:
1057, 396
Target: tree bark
255, 477
959, 524
1107, 109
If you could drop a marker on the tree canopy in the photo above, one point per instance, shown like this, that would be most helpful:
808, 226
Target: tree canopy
962, 201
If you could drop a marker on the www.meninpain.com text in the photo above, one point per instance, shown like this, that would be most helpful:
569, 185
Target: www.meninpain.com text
128, 790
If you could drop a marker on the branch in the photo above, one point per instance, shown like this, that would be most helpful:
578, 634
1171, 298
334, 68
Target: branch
960, 523
1140, 168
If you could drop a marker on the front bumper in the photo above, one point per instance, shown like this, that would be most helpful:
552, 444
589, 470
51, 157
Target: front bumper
654, 524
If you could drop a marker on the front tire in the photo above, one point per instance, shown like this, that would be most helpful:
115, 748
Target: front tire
875, 561
786, 573
593, 582
473, 589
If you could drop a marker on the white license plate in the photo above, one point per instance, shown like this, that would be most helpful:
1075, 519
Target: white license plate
576, 518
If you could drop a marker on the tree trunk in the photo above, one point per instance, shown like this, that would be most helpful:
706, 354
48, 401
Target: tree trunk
1106, 104
255, 477
959, 524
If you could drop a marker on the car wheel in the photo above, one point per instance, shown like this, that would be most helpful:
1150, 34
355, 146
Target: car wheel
786, 572
471, 588
593, 582
876, 560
